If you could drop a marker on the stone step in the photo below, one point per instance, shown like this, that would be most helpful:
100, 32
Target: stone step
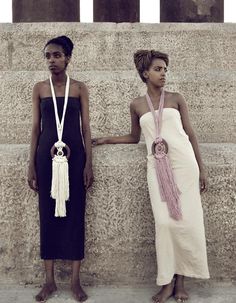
119, 222
110, 46
205, 292
210, 95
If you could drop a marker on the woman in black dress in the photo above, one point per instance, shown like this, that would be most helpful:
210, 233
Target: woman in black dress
61, 237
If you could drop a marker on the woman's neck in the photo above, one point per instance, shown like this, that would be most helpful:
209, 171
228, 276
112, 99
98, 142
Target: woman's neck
59, 79
155, 92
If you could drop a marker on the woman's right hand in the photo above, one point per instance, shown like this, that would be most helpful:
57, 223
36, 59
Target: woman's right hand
32, 179
98, 141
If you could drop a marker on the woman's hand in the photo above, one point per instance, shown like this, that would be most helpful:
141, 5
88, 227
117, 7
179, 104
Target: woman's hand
32, 179
203, 182
88, 176
98, 141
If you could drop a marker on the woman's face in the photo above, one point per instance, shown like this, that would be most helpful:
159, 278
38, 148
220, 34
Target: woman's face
157, 73
55, 58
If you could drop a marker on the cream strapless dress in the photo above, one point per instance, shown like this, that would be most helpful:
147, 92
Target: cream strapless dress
180, 245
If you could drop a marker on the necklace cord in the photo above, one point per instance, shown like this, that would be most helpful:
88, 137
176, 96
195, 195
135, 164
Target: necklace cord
60, 124
157, 116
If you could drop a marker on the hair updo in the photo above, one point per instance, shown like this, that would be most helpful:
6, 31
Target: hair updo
64, 42
143, 60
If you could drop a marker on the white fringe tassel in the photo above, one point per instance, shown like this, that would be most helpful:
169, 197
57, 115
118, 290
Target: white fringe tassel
60, 184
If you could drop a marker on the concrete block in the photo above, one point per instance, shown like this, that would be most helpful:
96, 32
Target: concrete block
210, 98
110, 46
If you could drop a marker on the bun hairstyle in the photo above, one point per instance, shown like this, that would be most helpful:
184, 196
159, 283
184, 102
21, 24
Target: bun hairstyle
65, 42
143, 60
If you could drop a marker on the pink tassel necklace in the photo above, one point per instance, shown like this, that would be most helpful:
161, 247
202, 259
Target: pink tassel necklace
168, 189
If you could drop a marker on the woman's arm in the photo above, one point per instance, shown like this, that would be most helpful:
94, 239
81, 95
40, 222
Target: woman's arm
133, 137
88, 174
183, 109
35, 132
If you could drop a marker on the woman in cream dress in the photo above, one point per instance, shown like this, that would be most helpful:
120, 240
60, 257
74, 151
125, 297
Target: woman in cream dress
180, 244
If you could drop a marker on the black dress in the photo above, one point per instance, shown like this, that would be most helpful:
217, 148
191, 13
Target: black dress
61, 237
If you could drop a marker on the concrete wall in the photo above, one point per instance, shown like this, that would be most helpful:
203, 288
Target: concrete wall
119, 223
202, 68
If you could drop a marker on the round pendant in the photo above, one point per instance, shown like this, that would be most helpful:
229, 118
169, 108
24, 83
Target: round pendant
60, 151
159, 148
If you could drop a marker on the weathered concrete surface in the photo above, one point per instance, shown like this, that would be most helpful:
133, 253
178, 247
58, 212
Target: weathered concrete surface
199, 293
211, 99
203, 69
110, 46
119, 223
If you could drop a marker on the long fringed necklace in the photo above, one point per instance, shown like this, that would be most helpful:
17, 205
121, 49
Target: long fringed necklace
168, 189
60, 170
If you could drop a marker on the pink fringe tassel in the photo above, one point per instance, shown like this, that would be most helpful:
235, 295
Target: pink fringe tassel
168, 189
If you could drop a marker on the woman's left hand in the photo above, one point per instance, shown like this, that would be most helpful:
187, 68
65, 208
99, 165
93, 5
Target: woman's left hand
88, 176
203, 182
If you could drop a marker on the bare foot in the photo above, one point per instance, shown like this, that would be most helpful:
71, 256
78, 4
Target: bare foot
165, 293
78, 292
180, 293
47, 290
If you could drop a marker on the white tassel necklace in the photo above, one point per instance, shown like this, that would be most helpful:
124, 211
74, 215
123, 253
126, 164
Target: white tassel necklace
60, 170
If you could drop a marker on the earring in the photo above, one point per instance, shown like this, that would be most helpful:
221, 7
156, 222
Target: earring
145, 75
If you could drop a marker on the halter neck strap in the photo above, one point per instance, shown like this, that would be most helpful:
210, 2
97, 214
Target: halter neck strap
60, 124
157, 116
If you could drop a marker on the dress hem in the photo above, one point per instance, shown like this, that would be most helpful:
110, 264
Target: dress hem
63, 258
161, 283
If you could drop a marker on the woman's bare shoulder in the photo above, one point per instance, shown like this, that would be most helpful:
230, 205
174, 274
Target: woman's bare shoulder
175, 96
77, 83
78, 87
39, 86
137, 102
174, 99
43, 83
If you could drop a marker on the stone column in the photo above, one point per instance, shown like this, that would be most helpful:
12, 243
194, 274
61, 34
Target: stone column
116, 10
45, 10
192, 10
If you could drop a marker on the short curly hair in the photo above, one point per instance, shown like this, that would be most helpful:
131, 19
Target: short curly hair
143, 60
